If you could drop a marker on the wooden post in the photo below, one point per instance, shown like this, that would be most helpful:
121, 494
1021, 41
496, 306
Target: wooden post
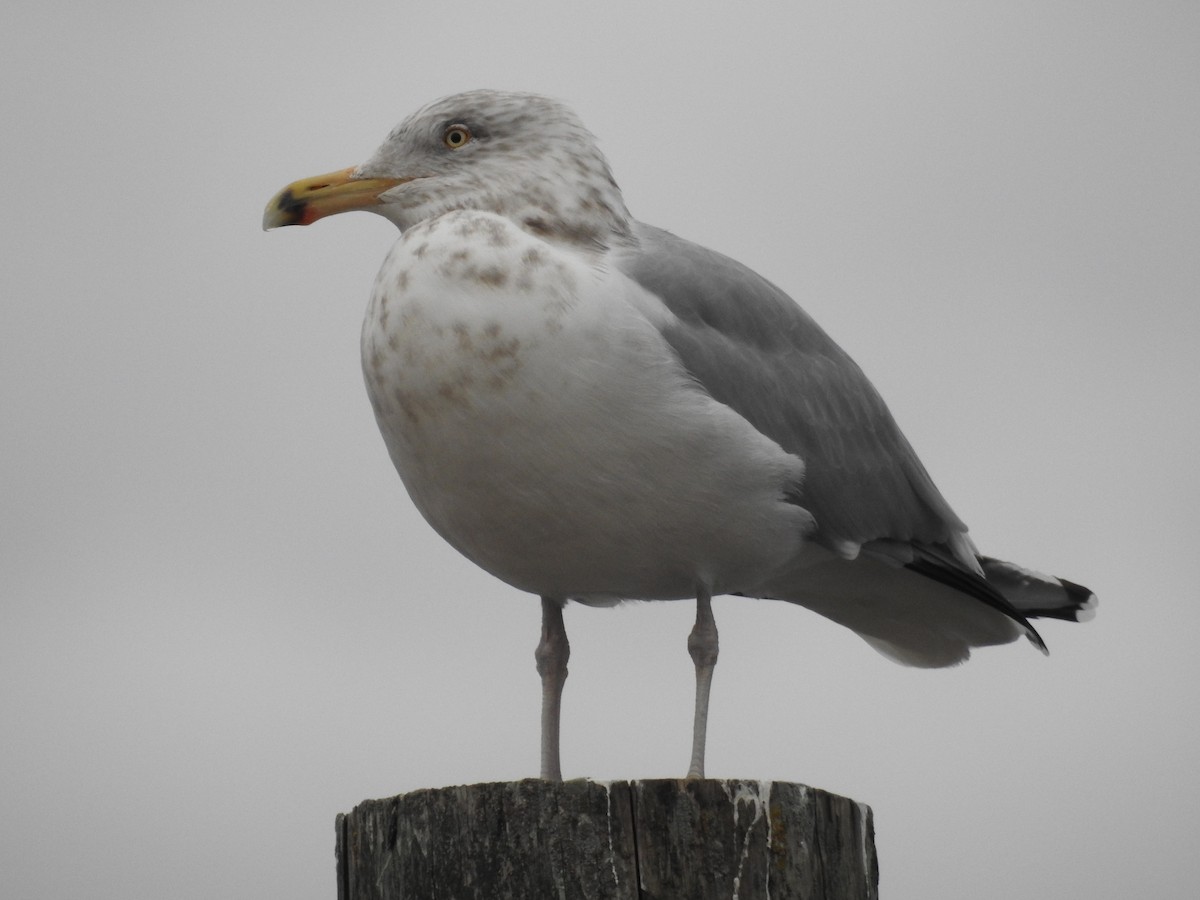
586, 840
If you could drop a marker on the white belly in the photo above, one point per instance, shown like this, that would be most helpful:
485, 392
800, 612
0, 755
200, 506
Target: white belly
542, 426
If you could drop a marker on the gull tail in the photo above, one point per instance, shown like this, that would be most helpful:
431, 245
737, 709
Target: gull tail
924, 605
1039, 596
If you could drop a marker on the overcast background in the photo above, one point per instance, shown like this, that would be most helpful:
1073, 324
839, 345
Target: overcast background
222, 621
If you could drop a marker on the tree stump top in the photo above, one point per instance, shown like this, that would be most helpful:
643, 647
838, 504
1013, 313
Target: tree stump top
661, 839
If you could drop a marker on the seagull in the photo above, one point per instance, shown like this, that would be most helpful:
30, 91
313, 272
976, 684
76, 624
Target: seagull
594, 409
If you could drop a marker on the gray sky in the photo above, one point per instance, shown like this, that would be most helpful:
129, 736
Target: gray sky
221, 619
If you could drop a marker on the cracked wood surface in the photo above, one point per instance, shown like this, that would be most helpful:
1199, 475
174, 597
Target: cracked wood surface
660, 839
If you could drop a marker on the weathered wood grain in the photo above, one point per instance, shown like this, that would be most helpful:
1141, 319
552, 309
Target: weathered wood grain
583, 840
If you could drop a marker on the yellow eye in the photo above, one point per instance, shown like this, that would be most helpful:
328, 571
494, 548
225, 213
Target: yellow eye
456, 136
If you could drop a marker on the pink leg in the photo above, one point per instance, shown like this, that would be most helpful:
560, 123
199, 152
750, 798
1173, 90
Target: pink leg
551, 655
702, 645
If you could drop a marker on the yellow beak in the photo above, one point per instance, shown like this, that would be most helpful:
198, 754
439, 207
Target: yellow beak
303, 202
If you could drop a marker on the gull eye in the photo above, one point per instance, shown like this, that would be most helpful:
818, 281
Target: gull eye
456, 136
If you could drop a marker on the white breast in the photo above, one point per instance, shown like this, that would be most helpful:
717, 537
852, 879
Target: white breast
543, 427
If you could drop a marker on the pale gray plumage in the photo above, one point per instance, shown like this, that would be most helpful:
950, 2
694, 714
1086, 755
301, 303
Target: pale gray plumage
593, 409
755, 350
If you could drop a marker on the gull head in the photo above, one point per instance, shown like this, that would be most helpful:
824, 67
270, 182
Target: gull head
522, 156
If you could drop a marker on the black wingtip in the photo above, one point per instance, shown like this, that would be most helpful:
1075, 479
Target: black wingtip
1083, 602
1035, 638
1080, 606
973, 586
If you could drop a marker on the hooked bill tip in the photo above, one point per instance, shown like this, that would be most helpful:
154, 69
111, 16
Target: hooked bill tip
285, 209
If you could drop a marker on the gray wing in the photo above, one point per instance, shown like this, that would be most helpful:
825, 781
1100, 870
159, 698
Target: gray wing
755, 350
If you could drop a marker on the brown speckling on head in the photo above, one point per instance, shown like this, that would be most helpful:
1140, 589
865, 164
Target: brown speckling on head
530, 159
